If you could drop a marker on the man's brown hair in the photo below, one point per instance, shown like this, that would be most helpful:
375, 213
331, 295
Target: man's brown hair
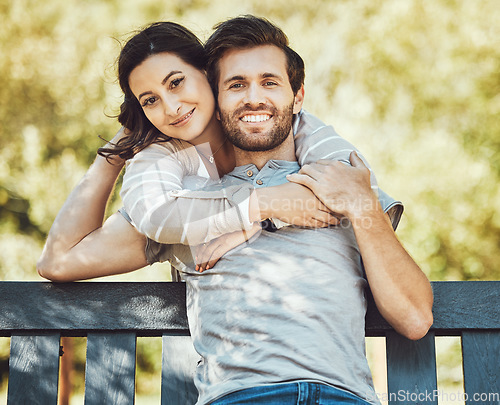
246, 32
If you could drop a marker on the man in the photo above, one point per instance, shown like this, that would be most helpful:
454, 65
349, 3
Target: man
283, 317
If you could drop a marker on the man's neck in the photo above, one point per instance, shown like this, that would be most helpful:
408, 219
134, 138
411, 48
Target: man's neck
285, 151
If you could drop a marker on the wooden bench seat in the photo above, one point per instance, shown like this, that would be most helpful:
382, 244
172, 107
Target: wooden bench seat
113, 314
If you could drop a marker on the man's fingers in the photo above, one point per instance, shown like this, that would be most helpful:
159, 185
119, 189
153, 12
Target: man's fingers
328, 219
325, 162
356, 160
302, 179
333, 220
312, 170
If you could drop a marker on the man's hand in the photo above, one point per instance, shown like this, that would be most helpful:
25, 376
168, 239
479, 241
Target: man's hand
344, 190
401, 290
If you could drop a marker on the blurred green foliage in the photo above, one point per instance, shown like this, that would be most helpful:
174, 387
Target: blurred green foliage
415, 85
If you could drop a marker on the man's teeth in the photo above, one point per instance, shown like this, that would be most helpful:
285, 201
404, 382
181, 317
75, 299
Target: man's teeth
256, 118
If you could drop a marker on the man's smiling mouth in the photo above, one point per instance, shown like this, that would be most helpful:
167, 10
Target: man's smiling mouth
256, 118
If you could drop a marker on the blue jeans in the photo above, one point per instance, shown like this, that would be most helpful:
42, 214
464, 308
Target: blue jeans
296, 393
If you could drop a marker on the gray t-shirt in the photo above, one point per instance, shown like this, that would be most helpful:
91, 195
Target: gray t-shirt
288, 306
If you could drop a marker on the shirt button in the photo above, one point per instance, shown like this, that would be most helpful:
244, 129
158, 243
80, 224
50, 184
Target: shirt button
249, 173
259, 182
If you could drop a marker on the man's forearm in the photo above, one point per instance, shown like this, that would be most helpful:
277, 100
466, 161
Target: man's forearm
400, 289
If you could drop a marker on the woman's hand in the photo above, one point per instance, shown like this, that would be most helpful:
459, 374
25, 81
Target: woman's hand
291, 203
116, 160
207, 254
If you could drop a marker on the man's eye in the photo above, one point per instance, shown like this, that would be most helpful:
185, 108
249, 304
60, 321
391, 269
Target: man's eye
236, 86
268, 84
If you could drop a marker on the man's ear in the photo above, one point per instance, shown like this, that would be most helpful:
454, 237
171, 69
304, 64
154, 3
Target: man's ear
298, 100
217, 114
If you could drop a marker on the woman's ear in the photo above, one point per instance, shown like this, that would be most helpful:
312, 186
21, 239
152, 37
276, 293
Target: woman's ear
298, 100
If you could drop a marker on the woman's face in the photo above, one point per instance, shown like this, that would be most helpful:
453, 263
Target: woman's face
174, 95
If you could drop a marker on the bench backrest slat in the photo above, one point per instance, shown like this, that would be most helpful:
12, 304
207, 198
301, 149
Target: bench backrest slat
33, 369
481, 362
110, 368
411, 368
179, 361
75, 309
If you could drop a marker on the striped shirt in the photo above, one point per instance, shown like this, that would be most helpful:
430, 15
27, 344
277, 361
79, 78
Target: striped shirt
165, 210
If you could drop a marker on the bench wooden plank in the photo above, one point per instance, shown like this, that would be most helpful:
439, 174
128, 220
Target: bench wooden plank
179, 360
458, 305
152, 308
411, 369
110, 368
481, 356
33, 369
149, 309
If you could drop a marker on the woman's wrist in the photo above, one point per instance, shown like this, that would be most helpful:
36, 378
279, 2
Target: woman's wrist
111, 164
114, 160
261, 203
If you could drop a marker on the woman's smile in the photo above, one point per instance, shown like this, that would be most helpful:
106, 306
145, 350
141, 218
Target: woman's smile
184, 119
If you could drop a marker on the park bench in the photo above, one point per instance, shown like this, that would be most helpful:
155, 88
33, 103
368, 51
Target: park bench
112, 314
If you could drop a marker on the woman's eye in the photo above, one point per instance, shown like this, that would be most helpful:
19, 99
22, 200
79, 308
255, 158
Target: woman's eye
174, 83
148, 101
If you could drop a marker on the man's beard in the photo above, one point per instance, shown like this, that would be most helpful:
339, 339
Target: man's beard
261, 141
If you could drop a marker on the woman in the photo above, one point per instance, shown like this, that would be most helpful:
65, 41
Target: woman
169, 108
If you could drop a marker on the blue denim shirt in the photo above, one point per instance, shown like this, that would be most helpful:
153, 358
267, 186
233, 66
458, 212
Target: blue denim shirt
273, 173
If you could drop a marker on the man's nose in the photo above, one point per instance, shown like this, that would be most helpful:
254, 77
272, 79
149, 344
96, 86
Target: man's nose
254, 95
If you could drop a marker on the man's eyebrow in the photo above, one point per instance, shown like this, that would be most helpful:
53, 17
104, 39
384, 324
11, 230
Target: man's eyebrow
234, 78
173, 72
271, 76
266, 75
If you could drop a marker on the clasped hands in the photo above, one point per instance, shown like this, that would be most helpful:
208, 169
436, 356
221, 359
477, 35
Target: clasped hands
319, 195
344, 190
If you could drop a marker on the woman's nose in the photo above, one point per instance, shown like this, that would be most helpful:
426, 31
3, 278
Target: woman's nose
171, 106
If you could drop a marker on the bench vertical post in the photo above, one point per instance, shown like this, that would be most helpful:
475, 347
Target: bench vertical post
481, 362
33, 369
179, 361
411, 369
110, 368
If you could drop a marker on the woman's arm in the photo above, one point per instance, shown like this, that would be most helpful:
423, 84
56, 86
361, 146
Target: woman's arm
160, 208
163, 210
78, 245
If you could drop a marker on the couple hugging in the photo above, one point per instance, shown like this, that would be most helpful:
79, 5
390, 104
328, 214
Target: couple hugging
273, 220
